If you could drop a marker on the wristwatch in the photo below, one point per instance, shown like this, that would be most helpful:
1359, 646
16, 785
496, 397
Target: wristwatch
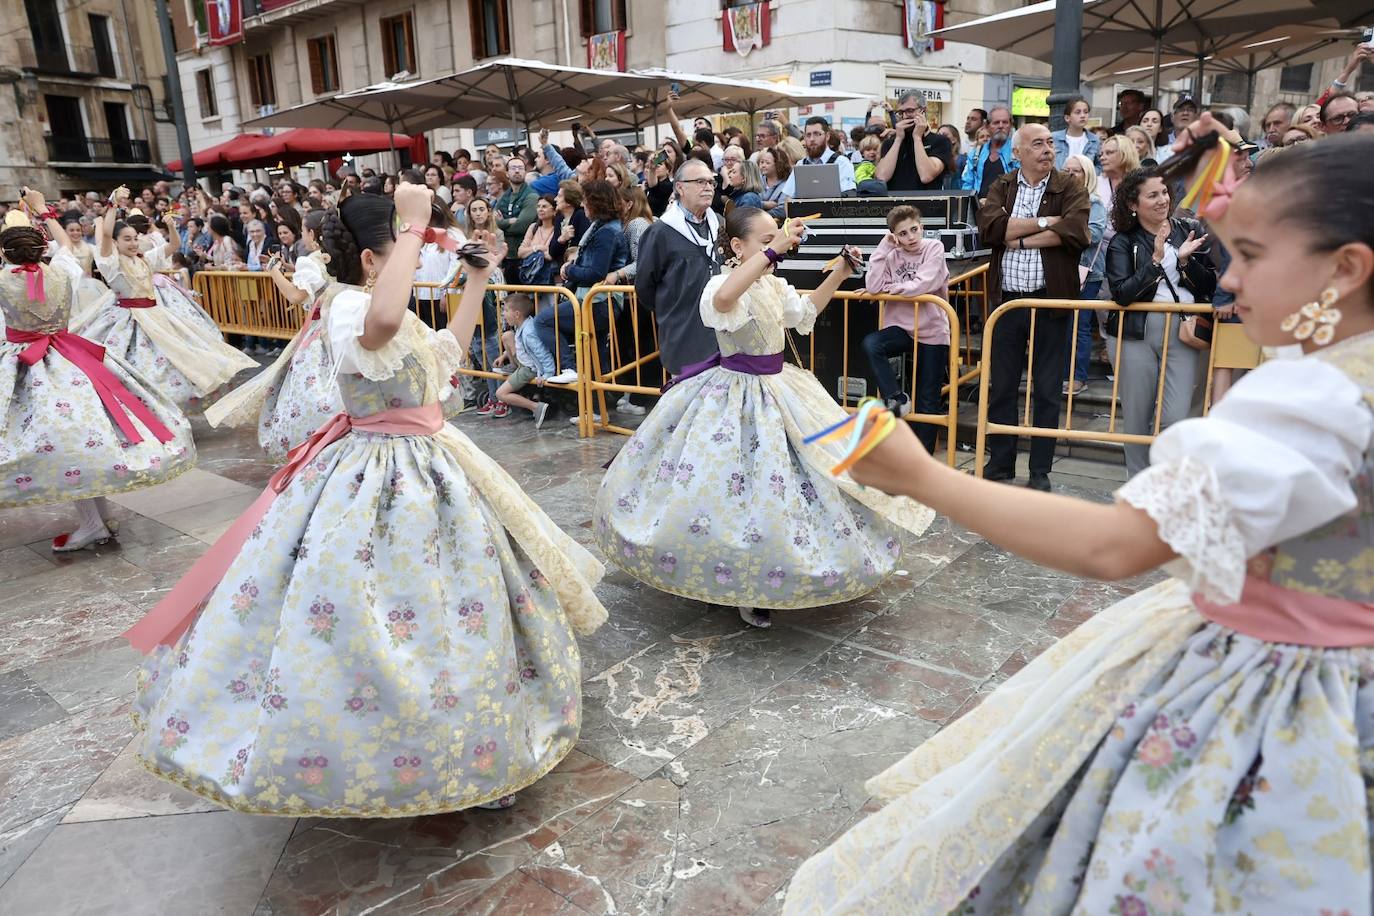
1022, 240
1043, 223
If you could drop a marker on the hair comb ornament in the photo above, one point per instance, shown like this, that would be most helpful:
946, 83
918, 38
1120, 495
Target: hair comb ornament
16, 219
860, 442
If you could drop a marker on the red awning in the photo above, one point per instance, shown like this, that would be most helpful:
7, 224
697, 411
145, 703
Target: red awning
294, 147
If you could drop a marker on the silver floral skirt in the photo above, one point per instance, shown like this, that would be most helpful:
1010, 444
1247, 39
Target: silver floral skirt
715, 498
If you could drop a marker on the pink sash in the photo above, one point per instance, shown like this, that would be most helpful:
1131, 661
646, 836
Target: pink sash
1276, 614
90, 359
164, 624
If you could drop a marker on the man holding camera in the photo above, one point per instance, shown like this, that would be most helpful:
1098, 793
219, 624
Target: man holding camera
914, 159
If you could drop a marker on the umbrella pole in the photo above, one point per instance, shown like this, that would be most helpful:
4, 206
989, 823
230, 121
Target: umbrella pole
1159, 52
1201, 68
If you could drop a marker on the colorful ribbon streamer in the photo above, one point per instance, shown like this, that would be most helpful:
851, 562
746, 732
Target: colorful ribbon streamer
862, 438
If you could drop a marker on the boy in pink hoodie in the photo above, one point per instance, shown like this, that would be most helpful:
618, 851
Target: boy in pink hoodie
906, 263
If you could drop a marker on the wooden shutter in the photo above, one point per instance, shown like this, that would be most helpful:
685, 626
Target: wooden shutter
333, 72
618, 14
316, 70
503, 26
588, 14
411, 61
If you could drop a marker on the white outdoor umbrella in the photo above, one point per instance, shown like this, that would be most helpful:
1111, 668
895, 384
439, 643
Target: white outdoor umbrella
1168, 29
503, 91
1285, 46
699, 94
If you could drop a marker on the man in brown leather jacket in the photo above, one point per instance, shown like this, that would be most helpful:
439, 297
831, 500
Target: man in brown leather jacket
1035, 219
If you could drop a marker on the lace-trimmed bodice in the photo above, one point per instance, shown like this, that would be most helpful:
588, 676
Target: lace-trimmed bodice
129, 278
22, 313
1336, 559
758, 323
413, 369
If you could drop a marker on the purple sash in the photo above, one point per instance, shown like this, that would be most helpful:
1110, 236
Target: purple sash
770, 364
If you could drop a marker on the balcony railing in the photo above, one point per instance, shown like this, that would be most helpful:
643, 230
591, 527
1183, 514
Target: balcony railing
63, 60
97, 149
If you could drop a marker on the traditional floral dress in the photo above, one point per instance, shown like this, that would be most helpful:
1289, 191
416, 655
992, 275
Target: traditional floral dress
395, 635
159, 330
1204, 746
294, 396
59, 441
716, 498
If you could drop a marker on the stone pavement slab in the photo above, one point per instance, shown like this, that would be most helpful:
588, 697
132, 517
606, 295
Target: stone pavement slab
714, 757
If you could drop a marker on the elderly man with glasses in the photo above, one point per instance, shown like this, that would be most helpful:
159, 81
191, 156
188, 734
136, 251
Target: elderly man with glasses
913, 160
678, 255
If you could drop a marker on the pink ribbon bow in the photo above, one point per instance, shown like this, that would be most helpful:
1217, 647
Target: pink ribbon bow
34, 281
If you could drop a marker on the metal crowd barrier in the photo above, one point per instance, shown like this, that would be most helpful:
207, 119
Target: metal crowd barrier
246, 302
429, 310
968, 293
627, 372
622, 376
1230, 350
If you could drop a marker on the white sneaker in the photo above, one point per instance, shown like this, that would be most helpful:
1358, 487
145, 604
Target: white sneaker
566, 377
596, 418
540, 413
625, 405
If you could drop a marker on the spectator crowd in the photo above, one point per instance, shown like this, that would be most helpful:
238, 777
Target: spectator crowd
580, 215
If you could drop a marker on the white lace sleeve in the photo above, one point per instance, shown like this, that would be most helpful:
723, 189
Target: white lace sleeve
1274, 460
347, 320
63, 260
108, 266
730, 321
309, 278
1185, 500
798, 311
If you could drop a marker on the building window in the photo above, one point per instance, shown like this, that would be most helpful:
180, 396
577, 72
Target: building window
262, 89
1231, 87
1296, 78
324, 65
104, 46
398, 45
205, 93
600, 16
490, 28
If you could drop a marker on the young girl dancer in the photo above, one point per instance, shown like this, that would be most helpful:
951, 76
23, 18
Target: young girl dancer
152, 323
715, 497
294, 396
1204, 745
388, 631
78, 423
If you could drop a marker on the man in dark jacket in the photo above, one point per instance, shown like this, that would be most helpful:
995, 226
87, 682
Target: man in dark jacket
1035, 219
678, 255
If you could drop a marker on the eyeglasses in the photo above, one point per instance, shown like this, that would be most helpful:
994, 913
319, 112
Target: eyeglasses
699, 182
910, 112
1341, 118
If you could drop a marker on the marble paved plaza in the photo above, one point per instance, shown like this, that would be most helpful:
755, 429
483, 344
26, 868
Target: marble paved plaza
714, 758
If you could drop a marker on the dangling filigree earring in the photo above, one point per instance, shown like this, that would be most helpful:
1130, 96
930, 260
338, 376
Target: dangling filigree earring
371, 281
1316, 320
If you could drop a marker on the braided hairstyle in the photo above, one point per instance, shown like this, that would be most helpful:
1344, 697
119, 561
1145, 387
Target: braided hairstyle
737, 225
23, 245
360, 222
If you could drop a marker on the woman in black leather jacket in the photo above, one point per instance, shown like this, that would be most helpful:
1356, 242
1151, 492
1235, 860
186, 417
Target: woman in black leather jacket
1153, 258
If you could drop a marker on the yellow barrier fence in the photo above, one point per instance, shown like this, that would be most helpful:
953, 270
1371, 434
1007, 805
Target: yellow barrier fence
968, 294
633, 370
247, 302
1230, 350
486, 344
640, 373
